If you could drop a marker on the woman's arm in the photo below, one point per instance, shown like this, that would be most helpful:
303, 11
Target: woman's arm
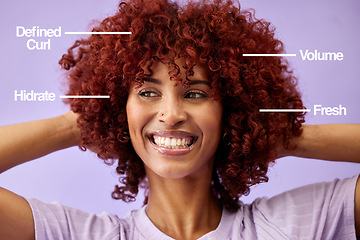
334, 142
23, 142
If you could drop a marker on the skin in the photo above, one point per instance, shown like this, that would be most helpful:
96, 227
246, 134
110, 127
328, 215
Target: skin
174, 207
160, 105
35, 139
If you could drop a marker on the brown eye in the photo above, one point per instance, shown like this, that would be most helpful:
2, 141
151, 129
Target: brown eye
195, 95
148, 94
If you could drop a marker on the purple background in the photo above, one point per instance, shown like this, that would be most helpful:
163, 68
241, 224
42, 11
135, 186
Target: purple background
80, 180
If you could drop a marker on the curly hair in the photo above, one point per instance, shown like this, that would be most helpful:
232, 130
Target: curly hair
214, 33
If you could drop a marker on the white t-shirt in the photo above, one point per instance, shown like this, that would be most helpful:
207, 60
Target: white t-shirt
317, 211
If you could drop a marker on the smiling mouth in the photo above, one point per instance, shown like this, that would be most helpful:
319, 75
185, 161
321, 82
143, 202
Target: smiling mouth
172, 142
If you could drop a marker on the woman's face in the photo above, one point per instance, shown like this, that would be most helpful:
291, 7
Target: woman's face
175, 131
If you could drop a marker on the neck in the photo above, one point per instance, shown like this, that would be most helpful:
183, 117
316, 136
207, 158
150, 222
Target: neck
183, 208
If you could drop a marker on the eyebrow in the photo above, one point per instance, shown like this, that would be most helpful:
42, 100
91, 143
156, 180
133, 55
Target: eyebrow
192, 82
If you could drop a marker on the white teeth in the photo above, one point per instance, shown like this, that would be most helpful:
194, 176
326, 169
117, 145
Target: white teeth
173, 143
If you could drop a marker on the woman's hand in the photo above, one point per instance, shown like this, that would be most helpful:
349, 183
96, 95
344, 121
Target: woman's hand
23, 142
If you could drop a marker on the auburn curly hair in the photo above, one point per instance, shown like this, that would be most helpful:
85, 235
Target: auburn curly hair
214, 33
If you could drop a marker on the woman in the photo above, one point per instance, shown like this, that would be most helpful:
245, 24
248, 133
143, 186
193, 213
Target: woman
183, 120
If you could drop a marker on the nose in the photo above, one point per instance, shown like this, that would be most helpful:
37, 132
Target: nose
172, 112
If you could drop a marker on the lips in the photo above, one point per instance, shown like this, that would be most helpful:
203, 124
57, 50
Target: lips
172, 142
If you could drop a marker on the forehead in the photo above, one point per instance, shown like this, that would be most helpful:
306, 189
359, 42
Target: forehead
160, 70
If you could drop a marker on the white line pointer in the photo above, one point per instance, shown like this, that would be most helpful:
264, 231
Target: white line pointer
98, 32
85, 96
284, 110
269, 55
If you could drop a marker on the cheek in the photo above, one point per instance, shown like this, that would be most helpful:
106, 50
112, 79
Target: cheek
210, 122
136, 122
136, 117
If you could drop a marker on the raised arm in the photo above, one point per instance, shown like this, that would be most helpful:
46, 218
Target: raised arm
334, 142
23, 142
